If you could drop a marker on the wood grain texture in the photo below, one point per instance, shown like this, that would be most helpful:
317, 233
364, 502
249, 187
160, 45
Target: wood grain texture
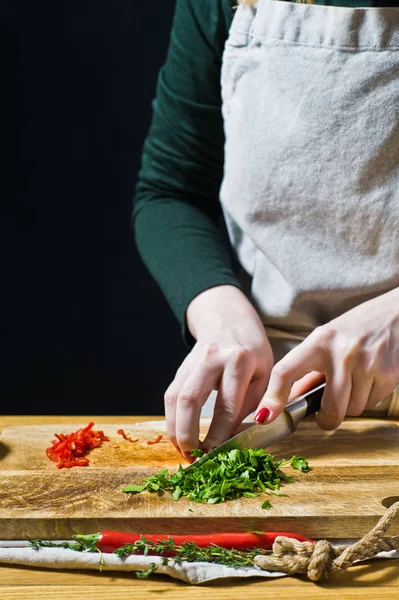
172, 592
353, 470
375, 573
377, 579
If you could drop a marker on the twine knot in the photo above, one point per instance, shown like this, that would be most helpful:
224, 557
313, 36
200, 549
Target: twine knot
319, 559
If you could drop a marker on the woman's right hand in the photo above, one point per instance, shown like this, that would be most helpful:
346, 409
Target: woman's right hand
232, 355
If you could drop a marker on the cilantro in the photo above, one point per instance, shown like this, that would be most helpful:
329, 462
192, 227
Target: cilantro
229, 475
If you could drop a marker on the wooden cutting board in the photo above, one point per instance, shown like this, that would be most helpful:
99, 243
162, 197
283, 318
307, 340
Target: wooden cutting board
354, 475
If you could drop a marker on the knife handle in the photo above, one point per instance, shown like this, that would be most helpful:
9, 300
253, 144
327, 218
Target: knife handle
313, 400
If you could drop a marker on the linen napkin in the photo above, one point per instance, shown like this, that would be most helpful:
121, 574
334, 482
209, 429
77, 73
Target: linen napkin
11, 553
62, 558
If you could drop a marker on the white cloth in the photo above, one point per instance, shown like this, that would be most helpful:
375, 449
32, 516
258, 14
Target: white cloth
194, 573
61, 558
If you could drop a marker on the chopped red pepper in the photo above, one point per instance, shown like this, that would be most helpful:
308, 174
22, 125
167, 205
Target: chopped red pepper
125, 436
69, 450
159, 438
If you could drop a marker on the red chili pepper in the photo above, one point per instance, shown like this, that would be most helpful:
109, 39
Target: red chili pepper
70, 450
125, 436
109, 541
159, 438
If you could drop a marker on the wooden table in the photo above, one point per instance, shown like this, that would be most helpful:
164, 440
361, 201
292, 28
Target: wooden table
376, 579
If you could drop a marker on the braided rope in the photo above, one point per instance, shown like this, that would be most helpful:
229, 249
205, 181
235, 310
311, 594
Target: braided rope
319, 559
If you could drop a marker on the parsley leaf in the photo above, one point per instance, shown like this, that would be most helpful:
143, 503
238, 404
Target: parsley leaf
134, 489
298, 462
197, 452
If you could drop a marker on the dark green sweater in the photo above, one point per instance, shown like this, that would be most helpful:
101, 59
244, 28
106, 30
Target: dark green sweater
177, 213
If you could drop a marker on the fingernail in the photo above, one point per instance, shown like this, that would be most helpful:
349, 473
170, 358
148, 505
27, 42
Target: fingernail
262, 415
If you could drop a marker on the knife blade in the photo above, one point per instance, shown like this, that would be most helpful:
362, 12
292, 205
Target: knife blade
262, 436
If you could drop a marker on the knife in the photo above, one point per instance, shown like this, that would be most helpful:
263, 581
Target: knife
262, 436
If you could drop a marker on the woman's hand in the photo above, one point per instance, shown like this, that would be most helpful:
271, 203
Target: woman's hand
232, 355
358, 356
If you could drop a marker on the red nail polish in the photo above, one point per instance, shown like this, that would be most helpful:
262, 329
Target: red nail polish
262, 415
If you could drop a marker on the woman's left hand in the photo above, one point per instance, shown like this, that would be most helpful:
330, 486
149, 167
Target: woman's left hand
358, 356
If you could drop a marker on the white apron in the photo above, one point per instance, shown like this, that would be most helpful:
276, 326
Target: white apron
311, 185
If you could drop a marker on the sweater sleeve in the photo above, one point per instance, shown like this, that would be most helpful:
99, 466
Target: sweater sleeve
177, 214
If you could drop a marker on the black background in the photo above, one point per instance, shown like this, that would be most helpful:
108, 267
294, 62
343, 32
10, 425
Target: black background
84, 329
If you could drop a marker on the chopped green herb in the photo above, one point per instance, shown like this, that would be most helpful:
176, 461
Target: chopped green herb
298, 462
197, 452
177, 493
134, 489
266, 504
230, 475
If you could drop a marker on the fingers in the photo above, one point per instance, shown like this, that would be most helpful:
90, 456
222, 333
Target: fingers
170, 399
361, 388
378, 393
307, 383
189, 401
354, 377
335, 399
293, 367
319, 357
170, 412
192, 386
232, 391
253, 396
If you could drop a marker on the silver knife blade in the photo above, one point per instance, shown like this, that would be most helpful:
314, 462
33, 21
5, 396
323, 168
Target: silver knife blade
262, 436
